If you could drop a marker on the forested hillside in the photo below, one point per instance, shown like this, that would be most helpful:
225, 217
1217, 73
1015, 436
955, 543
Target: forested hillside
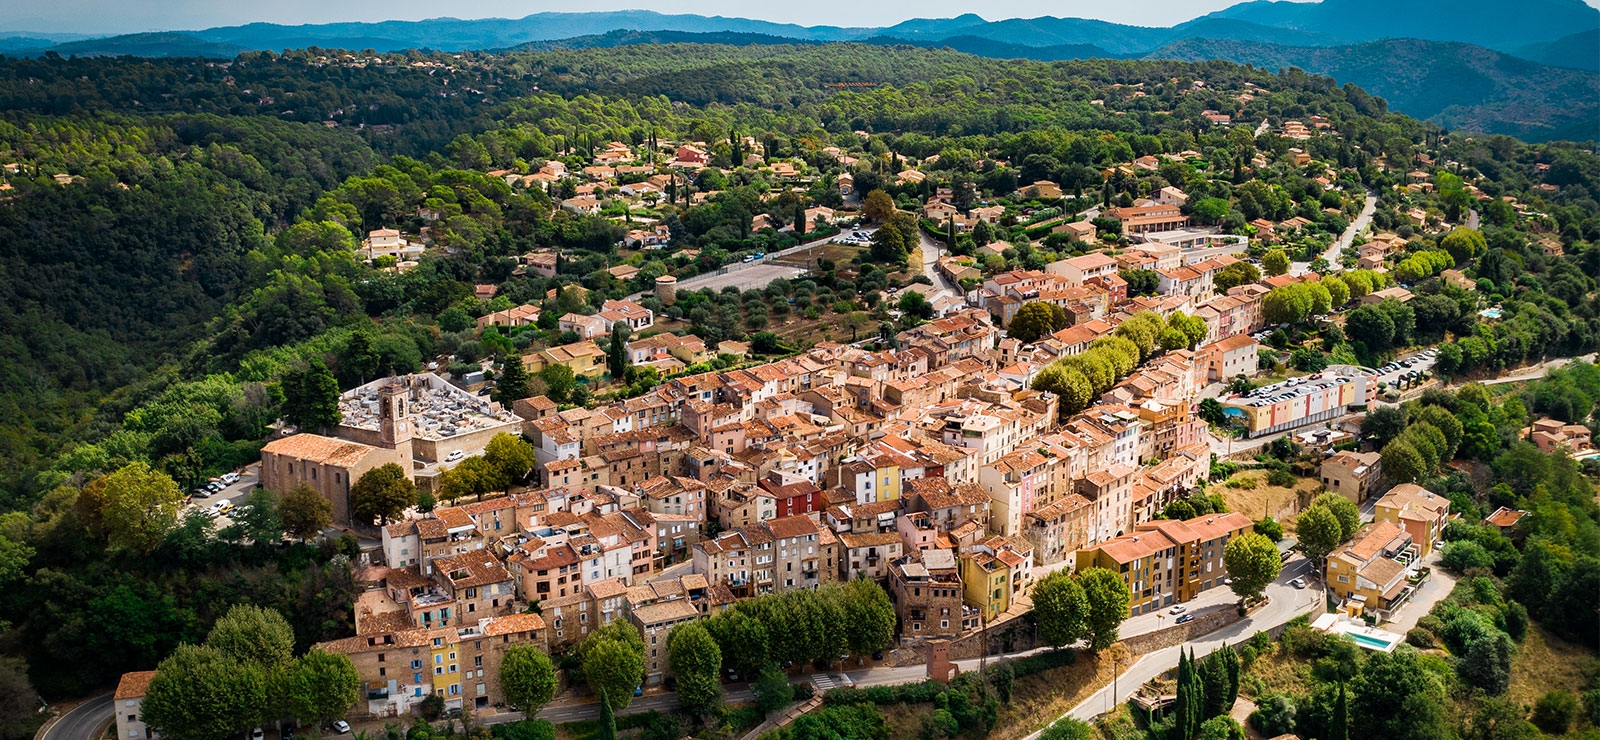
196, 259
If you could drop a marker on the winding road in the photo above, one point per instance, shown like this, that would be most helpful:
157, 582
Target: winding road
84, 721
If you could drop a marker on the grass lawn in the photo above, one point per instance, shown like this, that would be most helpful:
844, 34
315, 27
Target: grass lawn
1279, 501
1545, 662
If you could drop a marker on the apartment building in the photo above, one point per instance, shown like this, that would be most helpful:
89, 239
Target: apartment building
928, 596
1369, 573
1353, 475
1419, 511
1168, 562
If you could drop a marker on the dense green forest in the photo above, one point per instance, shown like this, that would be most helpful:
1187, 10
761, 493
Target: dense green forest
202, 252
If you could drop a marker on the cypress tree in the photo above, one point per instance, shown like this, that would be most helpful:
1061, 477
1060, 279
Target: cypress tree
1340, 729
1230, 658
1185, 709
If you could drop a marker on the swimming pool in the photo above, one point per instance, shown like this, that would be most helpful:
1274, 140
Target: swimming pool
1367, 641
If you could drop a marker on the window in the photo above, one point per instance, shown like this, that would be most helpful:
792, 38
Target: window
438, 660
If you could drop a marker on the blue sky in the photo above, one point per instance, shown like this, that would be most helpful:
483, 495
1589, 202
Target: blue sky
128, 16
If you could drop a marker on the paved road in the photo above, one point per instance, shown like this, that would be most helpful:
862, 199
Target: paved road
1287, 603
84, 721
931, 250
1343, 242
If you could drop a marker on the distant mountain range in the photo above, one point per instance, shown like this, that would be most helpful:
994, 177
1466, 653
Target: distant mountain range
1528, 70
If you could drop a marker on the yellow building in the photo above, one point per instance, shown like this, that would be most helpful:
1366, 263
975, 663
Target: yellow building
1419, 511
584, 358
447, 668
1167, 561
993, 573
1369, 573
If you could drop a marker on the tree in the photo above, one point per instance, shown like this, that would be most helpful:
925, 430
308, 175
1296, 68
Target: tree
253, 635
1340, 722
1236, 274
1073, 389
1252, 562
1060, 609
877, 206
1338, 290
1141, 282
772, 690
473, 476
1068, 728
527, 678
305, 512
1108, 605
514, 383
612, 659
1464, 555
1035, 320
1383, 424
1344, 510
310, 396
558, 382
1402, 463
511, 457
1275, 262
201, 693
1487, 663
617, 351
359, 361
1212, 412
869, 616
1370, 326
321, 687
694, 659
1555, 711
381, 494
1397, 696
1463, 244
134, 507
915, 304
1220, 728
1319, 532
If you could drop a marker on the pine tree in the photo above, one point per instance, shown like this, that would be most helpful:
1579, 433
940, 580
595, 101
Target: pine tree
513, 384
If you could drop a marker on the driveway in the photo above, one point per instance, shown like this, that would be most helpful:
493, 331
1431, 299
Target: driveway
84, 721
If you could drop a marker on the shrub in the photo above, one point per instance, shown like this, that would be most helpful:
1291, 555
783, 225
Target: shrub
1274, 715
1555, 711
1281, 478
1270, 529
1419, 638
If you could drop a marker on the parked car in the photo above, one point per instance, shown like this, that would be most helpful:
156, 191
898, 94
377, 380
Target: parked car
1298, 583
1185, 618
342, 727
258, 734
454, 456
1179, 609
221, 504
230, 479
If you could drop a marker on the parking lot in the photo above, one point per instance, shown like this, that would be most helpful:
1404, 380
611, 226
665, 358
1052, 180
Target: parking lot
1411, 366
234, 493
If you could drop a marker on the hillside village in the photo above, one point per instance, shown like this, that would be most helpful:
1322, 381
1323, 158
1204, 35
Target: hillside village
672, 380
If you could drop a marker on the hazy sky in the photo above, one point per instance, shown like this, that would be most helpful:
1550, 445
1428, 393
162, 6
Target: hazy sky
127, 16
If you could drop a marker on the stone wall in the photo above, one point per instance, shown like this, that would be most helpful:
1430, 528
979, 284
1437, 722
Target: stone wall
1181, 633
